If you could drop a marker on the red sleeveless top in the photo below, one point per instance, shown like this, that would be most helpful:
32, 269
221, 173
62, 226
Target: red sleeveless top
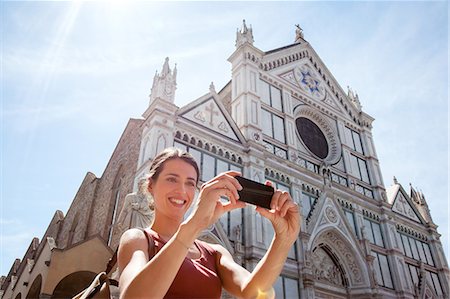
196, 278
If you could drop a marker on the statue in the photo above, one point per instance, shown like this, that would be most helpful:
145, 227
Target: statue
298, 33
136, 210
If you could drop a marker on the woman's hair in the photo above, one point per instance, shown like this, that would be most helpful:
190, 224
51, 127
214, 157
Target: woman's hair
171, 153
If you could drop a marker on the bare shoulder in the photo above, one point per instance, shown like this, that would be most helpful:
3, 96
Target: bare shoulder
133, 237
133, 243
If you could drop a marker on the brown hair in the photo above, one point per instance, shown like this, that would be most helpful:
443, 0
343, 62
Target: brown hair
167, 154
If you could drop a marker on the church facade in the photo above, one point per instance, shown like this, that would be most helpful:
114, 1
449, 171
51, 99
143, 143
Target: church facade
282, 117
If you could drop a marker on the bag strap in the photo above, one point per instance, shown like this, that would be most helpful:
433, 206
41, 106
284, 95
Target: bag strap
113, 260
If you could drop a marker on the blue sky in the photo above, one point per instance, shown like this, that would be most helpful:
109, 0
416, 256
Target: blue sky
73, 73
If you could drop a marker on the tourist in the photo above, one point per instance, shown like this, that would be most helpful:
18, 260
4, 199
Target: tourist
173, 263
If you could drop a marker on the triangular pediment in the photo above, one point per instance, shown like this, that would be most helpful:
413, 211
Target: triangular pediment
330, 229
402, 203
210, 113
328, 213
301, 68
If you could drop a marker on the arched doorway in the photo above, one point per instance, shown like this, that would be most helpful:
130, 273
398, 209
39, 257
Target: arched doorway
338, 265
35, 289
72, 284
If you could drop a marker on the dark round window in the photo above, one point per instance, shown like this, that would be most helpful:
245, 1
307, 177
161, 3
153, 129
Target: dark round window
312, 137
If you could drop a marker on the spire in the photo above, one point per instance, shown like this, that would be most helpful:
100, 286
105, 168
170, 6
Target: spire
244, 35
419, 200
212, 88
299, 37
354, 98
164, 84
166, 68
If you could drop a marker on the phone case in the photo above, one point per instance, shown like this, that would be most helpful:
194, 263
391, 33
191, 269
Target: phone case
255, 193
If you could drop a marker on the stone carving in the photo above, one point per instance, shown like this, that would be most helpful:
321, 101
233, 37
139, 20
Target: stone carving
354, 98
51, 243
200, 116
298, 33
210, 115
290, 77
324, 268
402, 206
30, 264
223, 127
136, 211
345, 254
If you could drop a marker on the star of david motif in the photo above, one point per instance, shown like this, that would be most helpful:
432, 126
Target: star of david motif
310, 81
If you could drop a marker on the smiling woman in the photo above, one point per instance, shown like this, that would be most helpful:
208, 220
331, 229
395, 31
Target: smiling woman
177, 265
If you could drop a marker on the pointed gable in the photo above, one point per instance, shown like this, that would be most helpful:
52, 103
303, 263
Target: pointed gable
299, 66
402, 203
211, 114
328, 213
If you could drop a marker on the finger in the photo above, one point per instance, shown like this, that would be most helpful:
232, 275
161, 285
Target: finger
265, 213
288, 205
269, 183
230, 176
275, 199
230, 206
284, 197
226, 188
222, 184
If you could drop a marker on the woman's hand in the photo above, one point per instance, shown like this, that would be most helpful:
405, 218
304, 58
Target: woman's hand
284, 215
209, 205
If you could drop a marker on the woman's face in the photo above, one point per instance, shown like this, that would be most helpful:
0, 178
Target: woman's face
174, 190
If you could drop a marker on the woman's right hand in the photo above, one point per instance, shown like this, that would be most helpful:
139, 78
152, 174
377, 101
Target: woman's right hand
209, 206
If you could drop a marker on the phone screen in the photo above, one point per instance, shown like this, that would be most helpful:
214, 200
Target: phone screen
255, 193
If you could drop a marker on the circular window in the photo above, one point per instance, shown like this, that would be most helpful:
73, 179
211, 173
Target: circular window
312, 136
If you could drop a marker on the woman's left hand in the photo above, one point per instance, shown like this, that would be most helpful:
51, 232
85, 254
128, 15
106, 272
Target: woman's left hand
284, 215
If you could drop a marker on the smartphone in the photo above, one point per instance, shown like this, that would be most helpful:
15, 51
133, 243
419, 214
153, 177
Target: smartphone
255, 193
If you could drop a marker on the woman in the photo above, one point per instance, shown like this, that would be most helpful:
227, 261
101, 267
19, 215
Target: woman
173, 264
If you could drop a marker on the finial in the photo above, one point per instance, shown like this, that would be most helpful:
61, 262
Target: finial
244, 28
166, 68
298, 34
212, 88
245, 35
395, 181
174, 74
354, 98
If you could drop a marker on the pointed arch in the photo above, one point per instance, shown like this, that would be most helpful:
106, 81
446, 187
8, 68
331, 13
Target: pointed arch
72, 284
339, 248
35, 288
161, 143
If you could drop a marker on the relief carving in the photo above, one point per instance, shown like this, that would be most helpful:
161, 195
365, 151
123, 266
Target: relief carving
325, 269
345, 253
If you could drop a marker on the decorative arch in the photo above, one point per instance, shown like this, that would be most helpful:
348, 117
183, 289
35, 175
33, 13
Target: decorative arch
161, 144
35, 288
348, 260
73, 284
147, 150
